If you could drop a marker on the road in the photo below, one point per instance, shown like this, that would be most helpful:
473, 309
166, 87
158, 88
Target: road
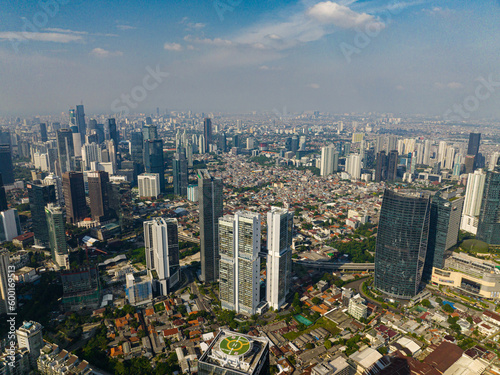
356, 285
336, 266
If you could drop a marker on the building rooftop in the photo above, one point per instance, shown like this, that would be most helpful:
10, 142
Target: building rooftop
235, 352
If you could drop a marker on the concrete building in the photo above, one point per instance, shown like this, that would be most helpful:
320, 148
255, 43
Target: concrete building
138, 289
279, 256
357, 307
329, 160
472, 203
149, 185
161, 241
10, 226
29, 336
239, 269
57, 235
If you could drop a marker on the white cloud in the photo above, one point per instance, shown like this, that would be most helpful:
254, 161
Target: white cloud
329, 12
100, 52
41, 37
196, 26
65, 31
125, 27
218, 42
313, 86
172, 47
449, 85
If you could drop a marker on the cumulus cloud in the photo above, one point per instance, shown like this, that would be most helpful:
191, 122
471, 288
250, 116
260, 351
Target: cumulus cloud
101, 52
41, 37
329, 12
172, 47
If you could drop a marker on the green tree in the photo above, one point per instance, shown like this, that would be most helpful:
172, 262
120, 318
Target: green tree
328, 344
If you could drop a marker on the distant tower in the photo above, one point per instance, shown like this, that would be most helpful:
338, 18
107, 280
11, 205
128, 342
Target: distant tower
80, 122
161, 242
3, 197
6, 166
279, 256
74, 196
57, 235
65, 150
401, 246
180, 172
210, 206
154, 161
39, 196
207, 132
98, 195
473, 198
43, 132
488, 229
329, 160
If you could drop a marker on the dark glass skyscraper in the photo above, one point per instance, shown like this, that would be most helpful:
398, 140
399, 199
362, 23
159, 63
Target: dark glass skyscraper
443, 230
6, 167
3, 197
136, 143
381, 167
488, 229
43, 132
153, 160
210, 205
39, 196
207, 132
80, 122
180, 171
149, 132
401, 247
74, 196
392, 165
65, 150
474, 141
98, 195
111, 132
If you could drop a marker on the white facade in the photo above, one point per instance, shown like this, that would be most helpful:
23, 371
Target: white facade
353, 166
427, 152
472, 203
149, 185
329, 160
90, 152
10, 226
357, 307
192, 193
29, 336
279, 256
239, 267
161, 241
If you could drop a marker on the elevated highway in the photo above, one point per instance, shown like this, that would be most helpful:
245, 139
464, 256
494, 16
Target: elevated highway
332, 266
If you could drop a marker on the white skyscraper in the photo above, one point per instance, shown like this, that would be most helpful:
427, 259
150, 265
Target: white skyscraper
329, 160
201, 145
442, 153
90, 152
10, 225
420, 153
472, 203
161, 241
279, 256
450, 158
493, 161
427, 152
250, 143
29, 336
353, 166
239, 267
149, 185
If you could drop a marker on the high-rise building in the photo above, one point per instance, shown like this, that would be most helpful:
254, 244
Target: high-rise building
239, 267
161, 241
474, 142
3, 196
353, 166
392, 165
98, 195
43, 132
180, 172
90, 153
52, 179
29, 336
443, 230
139, 290
381, 167
10, 226
80, 122
57, 235
111, 132
427, 152
251, 143
392, 142
279, 256
39, 196
149, 185
472, 203
401, 246
149, 132
6, 166
329, 160
210, 206
295, 143
207, 132
135, 148
65, 150
488, 229
154, 161
232, 353
5, 268
74, 196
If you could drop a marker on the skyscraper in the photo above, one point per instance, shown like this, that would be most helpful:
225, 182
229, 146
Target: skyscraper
57, 235
488, 229
90, 153
4, 285
161, 241
279, 256
6, 167
80, 122
43, 132
239, 277
474, 142
329, 160
10, 226
381, 167
180, 172
29, 336
149, 185
443, 230
207, 132
392, 165
98, 195
472, 203
74, 196
3, 197
210, 206
149, 132
353, 166
39, 196
401, 246
111, 132
65, 150
153, 160
135, 149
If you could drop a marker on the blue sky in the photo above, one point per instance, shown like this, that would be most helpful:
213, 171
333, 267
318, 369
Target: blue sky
408, 56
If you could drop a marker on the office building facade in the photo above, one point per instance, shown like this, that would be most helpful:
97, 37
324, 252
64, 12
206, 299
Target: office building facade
149, 185
488, 229
279, 256
401, 245
39, 196
10, 226
180, 172
154, 160
207, 132
66, 152
98, 195
329, 160
57, 235
74, 196
6, 166
210, 207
